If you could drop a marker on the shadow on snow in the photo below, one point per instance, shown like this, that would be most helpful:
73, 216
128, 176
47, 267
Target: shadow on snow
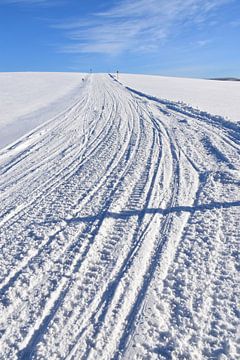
176, 209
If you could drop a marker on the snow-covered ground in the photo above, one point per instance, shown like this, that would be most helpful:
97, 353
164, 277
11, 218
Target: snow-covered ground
216, 97
119, 231
27, 99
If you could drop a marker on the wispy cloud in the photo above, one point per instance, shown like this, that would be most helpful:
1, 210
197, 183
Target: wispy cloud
235, 23
135, 25
203, 42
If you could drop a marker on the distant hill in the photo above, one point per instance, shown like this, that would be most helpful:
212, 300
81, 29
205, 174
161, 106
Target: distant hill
226, 79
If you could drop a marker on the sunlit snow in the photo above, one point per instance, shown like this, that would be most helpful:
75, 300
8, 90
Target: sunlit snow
119, 218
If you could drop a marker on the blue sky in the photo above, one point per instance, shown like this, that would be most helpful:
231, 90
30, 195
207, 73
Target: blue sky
194, 38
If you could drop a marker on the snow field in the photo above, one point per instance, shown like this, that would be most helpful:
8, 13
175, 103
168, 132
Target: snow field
213, 96
28, 99
119, 232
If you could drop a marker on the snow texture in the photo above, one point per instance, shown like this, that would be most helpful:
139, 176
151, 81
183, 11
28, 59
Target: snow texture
119, 231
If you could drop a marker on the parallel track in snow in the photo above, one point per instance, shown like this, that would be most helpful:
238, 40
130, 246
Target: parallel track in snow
118, 228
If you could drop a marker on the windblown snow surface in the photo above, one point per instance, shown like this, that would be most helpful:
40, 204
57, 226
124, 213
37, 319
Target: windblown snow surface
29, 99
119, 231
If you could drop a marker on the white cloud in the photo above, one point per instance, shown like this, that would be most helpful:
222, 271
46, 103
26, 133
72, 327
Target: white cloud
135, 25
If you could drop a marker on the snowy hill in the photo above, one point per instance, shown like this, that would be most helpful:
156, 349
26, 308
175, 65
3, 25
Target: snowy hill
28, 99
119, 219
216, 97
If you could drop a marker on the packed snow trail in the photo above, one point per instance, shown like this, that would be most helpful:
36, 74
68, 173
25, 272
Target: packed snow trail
120, 233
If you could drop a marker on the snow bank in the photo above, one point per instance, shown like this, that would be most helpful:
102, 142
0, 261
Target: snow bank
29, 99
216, 97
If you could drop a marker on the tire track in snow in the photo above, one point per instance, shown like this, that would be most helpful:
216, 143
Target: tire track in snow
103, 249
134, 200
162, 342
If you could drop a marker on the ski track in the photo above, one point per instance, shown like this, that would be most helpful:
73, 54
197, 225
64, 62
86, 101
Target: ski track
119, 232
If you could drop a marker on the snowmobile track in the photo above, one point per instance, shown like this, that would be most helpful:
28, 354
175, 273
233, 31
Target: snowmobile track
119, 232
